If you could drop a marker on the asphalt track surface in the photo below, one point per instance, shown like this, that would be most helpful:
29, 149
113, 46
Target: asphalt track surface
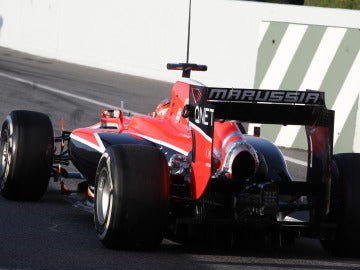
58, 233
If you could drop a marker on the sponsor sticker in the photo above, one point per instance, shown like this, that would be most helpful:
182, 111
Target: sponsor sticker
203, 112
272, 96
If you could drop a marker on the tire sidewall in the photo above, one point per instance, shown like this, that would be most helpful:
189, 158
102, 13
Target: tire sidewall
103, 229
139, 211
31, 138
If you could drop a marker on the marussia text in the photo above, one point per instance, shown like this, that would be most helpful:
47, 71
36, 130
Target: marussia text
255, 95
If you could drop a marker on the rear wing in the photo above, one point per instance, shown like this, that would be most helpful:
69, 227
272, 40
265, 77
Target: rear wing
265, 106
306, 108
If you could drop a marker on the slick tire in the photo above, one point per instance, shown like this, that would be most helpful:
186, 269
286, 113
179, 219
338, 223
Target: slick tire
132, 192
345, 206
27, 150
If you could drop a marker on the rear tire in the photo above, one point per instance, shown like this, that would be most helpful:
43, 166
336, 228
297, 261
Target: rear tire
26, 150
132, 193
345, 205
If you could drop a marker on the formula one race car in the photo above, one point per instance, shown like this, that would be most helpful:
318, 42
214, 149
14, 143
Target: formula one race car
189, 168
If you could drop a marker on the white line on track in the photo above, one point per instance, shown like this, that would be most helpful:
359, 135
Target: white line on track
296, 161
61, 92
95, 102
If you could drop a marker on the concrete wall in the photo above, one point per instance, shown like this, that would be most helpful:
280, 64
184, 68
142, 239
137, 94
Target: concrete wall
139, 37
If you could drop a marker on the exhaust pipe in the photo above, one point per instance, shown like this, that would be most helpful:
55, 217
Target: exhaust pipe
241, 161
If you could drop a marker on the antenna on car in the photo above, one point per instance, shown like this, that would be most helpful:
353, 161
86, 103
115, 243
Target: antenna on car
188, 35
187, 67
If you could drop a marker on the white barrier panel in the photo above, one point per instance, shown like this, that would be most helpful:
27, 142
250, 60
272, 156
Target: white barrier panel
300, 57
136, 37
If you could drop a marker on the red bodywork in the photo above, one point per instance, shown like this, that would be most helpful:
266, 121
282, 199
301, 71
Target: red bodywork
169, 128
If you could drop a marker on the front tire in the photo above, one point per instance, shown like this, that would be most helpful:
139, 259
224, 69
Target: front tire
26, 150
132, 193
